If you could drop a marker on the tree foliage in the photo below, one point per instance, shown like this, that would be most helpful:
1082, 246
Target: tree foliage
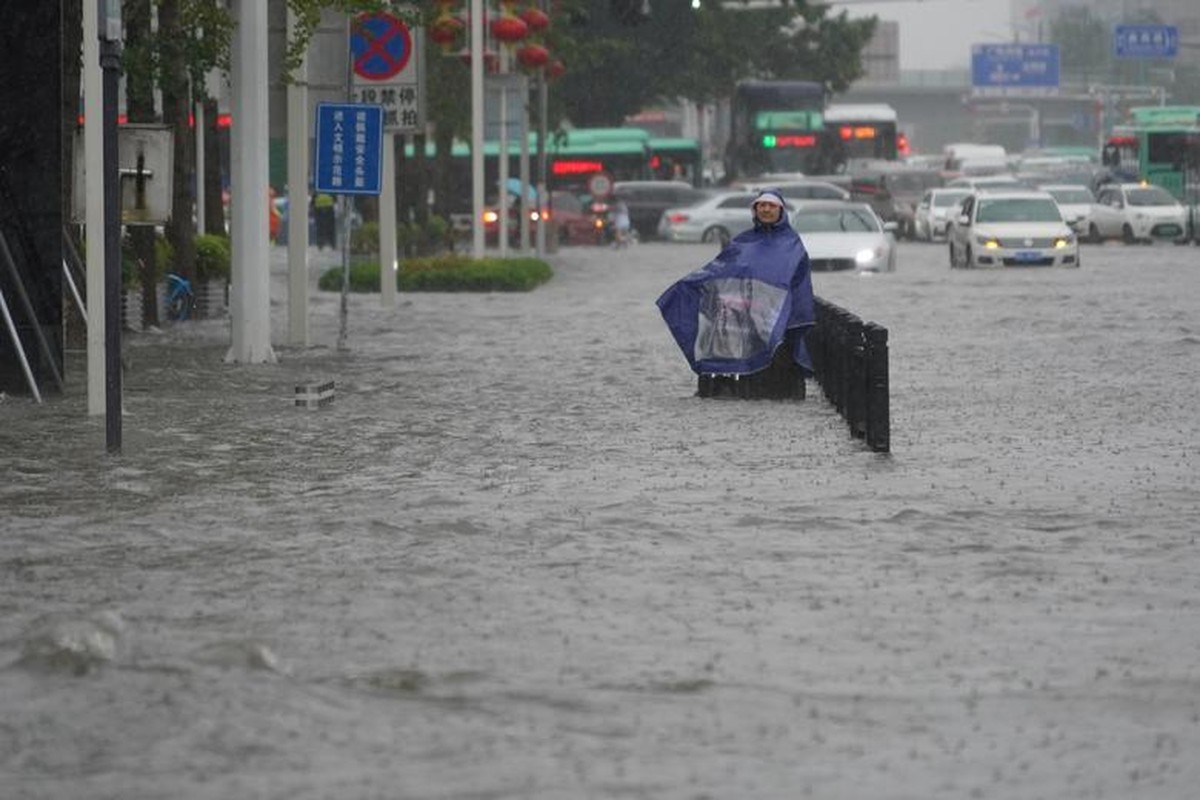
699, 54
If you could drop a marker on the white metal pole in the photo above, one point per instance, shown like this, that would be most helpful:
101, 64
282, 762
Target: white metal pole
523, 167
250, 298
477, 128
297, 192
502, 222
93, 145
387, 224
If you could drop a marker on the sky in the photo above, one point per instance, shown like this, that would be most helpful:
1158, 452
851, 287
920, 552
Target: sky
938, 34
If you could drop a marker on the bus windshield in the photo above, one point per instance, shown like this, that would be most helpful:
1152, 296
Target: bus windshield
863, 131
776, 126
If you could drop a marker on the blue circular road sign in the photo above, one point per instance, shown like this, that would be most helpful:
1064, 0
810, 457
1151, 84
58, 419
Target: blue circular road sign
380, 46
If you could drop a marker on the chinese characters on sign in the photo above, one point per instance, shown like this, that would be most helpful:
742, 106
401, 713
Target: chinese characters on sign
349, 148
1145, 41
400, 112
1014, 68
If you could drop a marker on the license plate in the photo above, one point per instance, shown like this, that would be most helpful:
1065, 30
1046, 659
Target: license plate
1027, 255
1168, 230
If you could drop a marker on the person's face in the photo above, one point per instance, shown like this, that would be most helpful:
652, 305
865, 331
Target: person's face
767, 212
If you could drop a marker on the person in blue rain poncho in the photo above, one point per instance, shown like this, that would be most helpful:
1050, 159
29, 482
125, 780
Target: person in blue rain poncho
731, 316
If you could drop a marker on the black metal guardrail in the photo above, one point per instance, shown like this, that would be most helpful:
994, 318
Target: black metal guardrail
850, 359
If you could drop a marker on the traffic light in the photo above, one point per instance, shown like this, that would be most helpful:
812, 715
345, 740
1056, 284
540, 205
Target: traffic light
630, 12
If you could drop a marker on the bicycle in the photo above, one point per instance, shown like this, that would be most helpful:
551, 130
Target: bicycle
181, 300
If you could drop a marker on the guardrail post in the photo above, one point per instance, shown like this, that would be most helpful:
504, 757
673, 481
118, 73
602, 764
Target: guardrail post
878, 389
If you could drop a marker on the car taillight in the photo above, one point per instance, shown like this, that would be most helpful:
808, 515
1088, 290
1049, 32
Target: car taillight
546, 214
675, 219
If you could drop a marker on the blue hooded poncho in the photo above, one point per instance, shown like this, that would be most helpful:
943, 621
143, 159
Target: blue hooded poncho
731, 315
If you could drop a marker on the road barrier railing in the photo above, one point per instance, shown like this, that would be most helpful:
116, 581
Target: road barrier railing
850, 358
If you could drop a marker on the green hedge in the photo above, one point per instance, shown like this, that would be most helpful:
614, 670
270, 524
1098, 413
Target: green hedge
447, 273
213, 257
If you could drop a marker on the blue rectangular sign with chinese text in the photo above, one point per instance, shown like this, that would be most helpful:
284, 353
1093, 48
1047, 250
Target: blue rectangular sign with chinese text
1014, 68
1145, 41
349, 148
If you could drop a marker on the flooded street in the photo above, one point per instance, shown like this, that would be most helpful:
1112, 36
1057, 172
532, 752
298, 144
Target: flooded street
518, 558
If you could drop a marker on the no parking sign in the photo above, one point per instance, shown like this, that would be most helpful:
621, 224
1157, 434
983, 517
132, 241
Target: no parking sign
386, 61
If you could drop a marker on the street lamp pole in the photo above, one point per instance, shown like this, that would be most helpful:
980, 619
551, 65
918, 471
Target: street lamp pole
109, 16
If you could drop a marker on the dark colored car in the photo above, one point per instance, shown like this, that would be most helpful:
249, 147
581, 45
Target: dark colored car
569, 220
572, 221
647, 200
895, 193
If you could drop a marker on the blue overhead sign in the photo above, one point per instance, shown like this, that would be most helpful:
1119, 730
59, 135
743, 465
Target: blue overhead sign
1145, 41
349, 148
1014, 69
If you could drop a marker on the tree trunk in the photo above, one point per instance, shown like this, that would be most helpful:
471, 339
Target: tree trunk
214, 204
176, 94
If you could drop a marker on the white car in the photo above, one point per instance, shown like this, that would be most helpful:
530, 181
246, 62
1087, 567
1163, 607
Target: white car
841, 236
715, 219
1075, 203
933, 212
1137, 212
977, 182
1011, 229
802, 189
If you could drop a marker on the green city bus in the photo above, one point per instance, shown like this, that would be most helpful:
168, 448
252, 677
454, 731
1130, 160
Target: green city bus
571, 159
676, 158
1161, 144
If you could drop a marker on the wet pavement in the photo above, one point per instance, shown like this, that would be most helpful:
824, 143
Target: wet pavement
518, 558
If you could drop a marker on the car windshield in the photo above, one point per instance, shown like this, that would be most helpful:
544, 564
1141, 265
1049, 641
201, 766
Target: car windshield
1150, 196
914, 183
946, 199
565, 201
1072, 195
850, 220
1018, 209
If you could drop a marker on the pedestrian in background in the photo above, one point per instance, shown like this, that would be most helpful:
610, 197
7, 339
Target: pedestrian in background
326, 221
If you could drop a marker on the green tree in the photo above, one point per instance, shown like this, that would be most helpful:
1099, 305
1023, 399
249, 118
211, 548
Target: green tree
1085, 43
699, 54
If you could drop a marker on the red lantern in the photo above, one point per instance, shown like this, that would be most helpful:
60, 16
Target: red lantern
555, 68
536, 19
509, 29
533, 55
445, 31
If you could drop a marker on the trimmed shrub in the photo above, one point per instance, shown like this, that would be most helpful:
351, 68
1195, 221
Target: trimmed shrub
213, 257
447, 273
364, 240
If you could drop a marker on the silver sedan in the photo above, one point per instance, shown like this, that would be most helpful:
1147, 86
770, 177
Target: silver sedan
843, 236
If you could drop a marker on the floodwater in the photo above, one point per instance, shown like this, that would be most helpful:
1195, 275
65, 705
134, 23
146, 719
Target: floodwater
518, 558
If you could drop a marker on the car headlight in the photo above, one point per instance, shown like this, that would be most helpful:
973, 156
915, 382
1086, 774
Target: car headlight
868, 256
989, 242
1063, 241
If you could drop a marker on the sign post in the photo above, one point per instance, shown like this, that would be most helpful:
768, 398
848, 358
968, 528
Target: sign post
349, 149
387, 68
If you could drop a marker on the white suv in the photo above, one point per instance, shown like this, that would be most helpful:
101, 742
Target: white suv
1137, 212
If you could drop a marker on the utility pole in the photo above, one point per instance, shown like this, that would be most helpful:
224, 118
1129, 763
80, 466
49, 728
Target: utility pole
109, 31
